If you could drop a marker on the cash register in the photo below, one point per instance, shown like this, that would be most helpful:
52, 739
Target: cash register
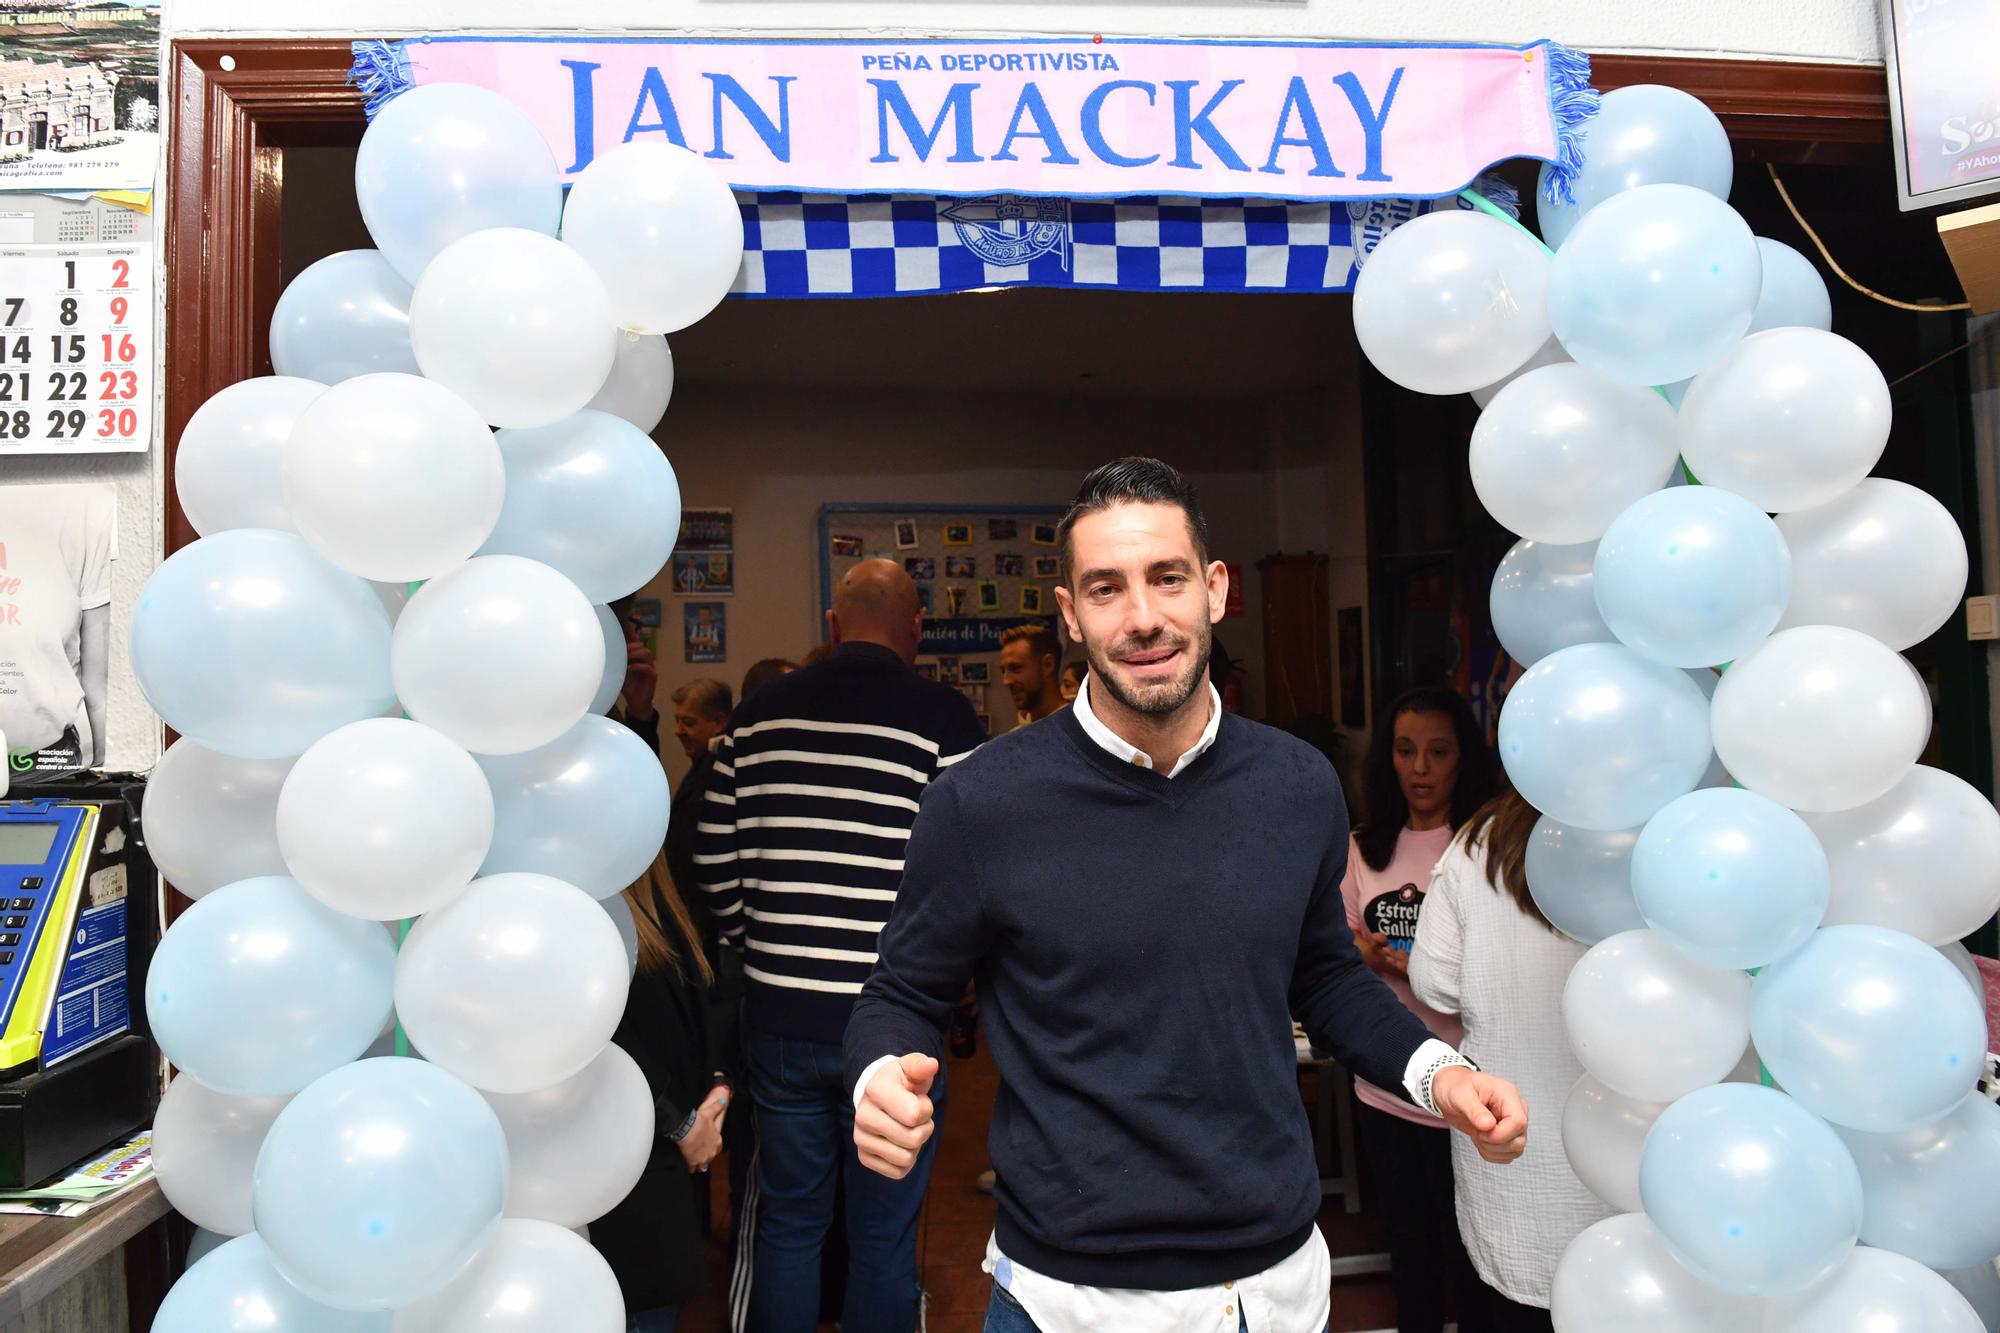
74, 1075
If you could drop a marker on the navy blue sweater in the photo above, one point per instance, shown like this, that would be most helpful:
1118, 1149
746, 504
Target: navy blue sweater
1140, 945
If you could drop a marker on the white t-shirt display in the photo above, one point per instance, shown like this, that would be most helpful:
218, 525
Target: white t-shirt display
56, 548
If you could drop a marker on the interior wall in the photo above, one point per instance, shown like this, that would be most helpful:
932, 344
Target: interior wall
1837, 30
775, 455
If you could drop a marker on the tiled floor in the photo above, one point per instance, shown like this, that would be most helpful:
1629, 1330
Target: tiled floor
957, 1220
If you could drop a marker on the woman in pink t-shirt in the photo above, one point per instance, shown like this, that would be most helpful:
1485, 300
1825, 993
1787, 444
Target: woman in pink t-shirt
1428, 769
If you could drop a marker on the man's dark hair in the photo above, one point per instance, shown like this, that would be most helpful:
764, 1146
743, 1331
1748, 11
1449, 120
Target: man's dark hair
1041, 640
1133, 481
763, 672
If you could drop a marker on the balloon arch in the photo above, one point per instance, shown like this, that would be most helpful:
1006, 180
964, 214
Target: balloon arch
1781, 1060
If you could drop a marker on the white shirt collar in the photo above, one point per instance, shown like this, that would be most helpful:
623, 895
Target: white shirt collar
1115, 744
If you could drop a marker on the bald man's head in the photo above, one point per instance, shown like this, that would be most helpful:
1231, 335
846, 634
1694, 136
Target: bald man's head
877, 603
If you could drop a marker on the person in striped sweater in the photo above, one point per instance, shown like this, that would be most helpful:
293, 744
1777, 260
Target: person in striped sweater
800, 852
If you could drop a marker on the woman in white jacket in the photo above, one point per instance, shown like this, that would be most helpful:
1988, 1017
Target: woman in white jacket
1485, 952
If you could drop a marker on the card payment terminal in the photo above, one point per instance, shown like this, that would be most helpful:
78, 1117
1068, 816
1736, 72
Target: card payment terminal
73, 1074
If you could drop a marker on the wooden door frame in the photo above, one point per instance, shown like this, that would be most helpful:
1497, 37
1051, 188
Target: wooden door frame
239, 104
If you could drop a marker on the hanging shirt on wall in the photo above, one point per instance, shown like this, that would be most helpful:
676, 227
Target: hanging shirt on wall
56, 548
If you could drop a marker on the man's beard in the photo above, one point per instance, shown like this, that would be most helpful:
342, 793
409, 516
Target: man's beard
1157, 698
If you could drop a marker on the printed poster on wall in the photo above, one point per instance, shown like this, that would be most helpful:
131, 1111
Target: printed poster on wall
57, 544
704, 574
707, 530
705, 631
79, 95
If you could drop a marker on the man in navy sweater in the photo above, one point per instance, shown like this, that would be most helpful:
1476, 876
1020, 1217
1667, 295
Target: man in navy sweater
1139, 964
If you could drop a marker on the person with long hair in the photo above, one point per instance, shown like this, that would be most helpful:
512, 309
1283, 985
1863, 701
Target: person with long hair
1427, 771
653, 1239
1486, 953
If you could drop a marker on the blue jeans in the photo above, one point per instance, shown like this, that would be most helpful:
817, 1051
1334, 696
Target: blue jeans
660, 1319
805, 1133
1005, 1315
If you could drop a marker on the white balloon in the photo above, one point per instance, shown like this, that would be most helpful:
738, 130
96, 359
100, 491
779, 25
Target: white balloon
211, 819
1452, 301
620, 912
613, 679
1980, 1285
202, 1244
1820, 718
226, 470
346, 315
661, 228
535, 1277
1960, 957
1884, 558
1550, 353
1790, 419
393, 477
1651, 1023
385, 819
501, 654
1560, 453
1603, 1133
576, 1149
1923, 858
394, 597
1542, 600
447, 160
642, 379
513, 321
1875, 1291
204, 1151
514, 985
1618, 1277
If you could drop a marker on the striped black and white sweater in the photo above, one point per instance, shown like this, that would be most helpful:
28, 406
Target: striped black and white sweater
801, 839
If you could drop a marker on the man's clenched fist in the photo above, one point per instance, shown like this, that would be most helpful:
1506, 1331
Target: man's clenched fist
894, 1119
1487, 1109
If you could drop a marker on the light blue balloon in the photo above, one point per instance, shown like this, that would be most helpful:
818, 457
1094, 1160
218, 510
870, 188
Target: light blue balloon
589, 808
1793, 293
1692, 576
1749, 1190
260, 988
441, 162
1869, 1028
236, 1289
613, 679
593, 497
378, 1184
1730, 878
1645, 134
1582, 879
1929, 1190
347, 315
256, 645
1655, 284
1542, 602
1602, 738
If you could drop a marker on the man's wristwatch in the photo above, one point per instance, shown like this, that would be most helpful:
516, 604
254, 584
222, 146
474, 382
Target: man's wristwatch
1438, 1066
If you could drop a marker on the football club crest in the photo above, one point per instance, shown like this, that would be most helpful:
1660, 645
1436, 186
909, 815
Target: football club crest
1009, 230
